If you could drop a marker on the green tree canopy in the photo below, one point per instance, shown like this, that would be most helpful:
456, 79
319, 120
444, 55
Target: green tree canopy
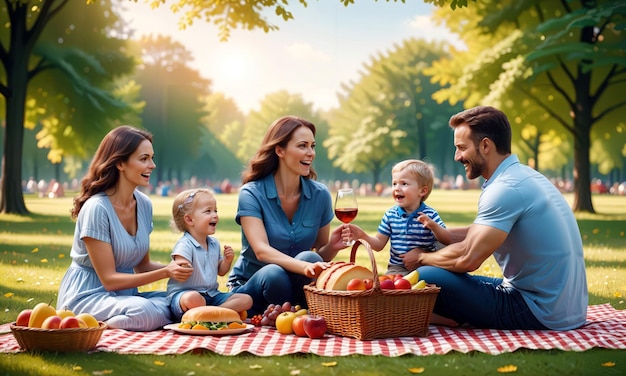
173, 112
557, 68
59, 69
389, 114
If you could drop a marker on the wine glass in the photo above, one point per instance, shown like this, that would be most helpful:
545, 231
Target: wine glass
346, 208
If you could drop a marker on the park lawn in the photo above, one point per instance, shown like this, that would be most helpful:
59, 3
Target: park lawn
34, 253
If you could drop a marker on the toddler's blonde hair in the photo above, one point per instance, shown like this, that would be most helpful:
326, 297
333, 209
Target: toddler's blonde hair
183, 204
423, 172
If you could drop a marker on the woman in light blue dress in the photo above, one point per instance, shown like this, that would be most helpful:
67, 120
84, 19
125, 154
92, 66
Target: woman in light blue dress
110, 252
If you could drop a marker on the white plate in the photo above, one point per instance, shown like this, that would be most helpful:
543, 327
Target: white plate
203, 332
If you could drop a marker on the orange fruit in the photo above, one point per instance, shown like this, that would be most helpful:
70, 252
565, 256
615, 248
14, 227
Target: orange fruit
199, 327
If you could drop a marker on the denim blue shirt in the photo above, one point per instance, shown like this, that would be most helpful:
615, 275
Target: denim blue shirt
259, 199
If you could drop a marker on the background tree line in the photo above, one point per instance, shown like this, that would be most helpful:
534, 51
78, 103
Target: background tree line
71, 71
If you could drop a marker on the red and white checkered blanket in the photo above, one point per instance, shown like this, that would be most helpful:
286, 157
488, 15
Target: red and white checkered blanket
605, 328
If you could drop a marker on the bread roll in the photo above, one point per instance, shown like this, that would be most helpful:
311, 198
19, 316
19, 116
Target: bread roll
210, 314
339, 274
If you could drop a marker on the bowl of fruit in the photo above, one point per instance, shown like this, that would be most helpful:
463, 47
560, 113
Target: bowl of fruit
43, 328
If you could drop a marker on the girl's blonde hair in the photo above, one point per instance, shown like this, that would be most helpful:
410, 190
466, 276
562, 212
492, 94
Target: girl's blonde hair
423, 172
183, 204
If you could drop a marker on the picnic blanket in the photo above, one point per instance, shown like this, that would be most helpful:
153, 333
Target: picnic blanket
605, 328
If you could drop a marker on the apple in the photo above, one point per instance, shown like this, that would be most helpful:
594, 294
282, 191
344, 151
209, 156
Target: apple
51, 322
369, 283
284, 322
65, 313
402, 284
23, 317
89, 320
72, 322
387, 284
355, 284
315, 326
298, 325
41, 312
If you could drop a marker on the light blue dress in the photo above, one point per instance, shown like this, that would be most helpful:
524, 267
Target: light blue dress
81, 289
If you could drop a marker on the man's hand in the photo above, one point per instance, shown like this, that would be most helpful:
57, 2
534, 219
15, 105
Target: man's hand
411, 259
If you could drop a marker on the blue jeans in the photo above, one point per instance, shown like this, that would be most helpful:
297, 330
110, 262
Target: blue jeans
273, 284
479, 301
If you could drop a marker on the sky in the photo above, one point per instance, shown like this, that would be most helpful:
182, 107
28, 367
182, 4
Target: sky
325, 45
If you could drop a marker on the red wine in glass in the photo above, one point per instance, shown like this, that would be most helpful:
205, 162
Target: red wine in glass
346, 215
346, 207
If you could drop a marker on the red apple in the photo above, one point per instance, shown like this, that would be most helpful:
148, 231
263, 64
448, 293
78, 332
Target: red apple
72, 322
355, 284
387, 284
52, 322
298, 325
23, 317
315, 326
369, 283
402, 284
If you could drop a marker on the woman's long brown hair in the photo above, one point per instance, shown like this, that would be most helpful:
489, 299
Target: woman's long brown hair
265, 161
116, 147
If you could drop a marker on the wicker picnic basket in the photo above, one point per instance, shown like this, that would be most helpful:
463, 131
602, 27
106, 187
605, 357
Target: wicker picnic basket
373, 313
59, 340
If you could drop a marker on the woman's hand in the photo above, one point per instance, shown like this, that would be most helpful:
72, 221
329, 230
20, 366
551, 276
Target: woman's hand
314, 269
337, 237
179, 270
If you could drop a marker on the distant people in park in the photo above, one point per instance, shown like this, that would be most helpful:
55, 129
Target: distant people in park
410, 223
55, 189
164, 188
525, 223
31, 185
226, 187
194, 213
110, 253
42, 187
285, 217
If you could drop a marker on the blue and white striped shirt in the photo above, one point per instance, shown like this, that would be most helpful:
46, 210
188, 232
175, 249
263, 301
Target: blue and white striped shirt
406, 232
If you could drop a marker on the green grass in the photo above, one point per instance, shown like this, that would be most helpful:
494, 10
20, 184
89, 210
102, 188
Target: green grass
34, 253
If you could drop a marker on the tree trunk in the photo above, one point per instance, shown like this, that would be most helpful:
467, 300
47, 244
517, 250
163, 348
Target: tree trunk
16, 65
582, 134
582, 179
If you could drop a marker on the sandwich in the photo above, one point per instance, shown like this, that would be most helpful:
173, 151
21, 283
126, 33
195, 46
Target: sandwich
339, 274
211, 318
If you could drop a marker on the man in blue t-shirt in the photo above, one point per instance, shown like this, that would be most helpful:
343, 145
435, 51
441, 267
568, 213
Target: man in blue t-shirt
525, 223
